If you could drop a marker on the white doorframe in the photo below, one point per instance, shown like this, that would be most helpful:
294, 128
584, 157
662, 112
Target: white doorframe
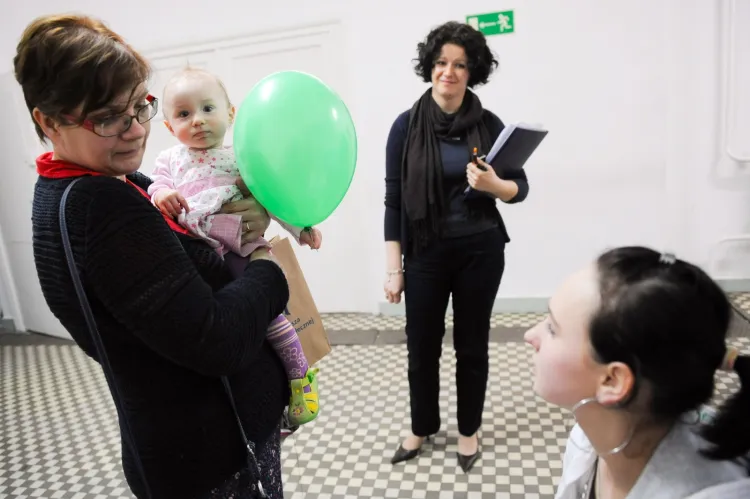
9, 304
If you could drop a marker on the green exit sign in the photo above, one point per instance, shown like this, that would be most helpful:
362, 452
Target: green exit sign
494, 23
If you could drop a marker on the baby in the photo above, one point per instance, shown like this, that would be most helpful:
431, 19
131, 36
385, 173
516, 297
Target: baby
194, 179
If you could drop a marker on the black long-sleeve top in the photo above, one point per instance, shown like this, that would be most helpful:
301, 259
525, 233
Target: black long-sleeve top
172, 322
464, 215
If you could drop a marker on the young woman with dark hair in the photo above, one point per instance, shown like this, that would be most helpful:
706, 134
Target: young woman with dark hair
631, 346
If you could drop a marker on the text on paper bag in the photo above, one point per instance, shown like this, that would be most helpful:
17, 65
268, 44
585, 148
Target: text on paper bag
310, 321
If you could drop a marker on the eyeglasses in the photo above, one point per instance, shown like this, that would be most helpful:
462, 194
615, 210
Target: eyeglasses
121, 123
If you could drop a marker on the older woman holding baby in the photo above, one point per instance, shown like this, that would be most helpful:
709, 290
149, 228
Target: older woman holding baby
173, 322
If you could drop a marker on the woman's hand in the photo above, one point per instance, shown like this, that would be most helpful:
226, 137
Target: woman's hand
485, 181
393, 287
489, 182
255, 218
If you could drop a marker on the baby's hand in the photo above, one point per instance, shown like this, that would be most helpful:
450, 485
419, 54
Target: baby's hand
170, 202
312, 238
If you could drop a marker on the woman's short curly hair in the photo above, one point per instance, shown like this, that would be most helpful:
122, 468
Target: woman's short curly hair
481, 60
65, 62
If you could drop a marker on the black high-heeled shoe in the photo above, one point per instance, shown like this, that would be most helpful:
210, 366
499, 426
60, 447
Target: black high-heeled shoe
467, 462
402, 454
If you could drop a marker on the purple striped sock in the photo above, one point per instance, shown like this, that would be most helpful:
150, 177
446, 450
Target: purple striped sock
285, 342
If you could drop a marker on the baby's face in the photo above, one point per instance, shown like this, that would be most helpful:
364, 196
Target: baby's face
197, 111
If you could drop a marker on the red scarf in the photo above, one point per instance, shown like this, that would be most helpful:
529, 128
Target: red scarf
55, 168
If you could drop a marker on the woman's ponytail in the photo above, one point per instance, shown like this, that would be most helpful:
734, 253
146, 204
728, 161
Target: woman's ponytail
729, 432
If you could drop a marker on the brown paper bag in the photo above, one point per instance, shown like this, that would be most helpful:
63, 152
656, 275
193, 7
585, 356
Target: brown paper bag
301, 310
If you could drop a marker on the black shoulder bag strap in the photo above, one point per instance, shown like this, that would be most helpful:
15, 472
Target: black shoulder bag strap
104, 360
252, 463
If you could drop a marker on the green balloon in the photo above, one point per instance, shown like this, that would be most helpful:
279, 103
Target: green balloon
296, 147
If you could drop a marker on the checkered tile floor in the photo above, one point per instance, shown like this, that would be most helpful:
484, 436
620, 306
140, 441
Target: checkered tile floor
361, 322
741, 301
59, 439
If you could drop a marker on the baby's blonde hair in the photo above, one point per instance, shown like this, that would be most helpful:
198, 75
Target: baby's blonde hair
192, 71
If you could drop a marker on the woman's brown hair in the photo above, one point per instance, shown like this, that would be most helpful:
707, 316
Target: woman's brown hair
69, 64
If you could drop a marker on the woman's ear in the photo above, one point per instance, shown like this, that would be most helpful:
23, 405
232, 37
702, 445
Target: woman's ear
617, 384
49, 126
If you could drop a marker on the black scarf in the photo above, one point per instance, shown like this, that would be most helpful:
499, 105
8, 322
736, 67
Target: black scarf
422, 166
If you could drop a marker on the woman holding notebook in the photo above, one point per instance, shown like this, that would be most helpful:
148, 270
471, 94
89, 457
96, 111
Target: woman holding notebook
441, 241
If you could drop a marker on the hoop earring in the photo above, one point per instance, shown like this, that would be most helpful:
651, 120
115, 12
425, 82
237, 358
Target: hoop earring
617, 449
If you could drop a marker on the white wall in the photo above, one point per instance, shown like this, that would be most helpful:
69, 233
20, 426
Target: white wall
632, 93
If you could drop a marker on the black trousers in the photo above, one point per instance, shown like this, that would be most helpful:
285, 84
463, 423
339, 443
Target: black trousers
469, 268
